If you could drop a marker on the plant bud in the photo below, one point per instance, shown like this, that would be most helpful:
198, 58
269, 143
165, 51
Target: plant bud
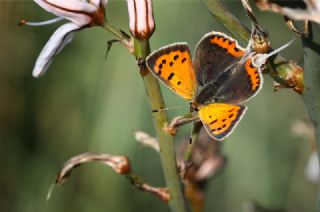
141, 18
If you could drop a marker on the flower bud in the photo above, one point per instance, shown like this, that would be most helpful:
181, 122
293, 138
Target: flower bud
141, 18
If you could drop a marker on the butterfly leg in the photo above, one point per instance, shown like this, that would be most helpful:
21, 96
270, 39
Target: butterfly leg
196, 127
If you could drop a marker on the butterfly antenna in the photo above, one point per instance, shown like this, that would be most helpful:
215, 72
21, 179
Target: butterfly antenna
248, 48
249, 12
164, 109
187, 153
261, 58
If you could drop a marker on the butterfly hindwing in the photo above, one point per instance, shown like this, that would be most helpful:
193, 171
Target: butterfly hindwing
173, 66
220, 119
244, 84
214, 53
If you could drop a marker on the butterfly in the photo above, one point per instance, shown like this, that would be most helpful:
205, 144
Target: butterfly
221, 76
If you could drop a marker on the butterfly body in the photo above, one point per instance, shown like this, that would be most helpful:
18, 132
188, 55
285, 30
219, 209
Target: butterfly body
212, 91
217, 80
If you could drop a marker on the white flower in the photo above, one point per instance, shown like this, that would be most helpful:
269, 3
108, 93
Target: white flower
80, 13
141, 18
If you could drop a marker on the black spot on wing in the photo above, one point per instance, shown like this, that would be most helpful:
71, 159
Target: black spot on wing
170, 76
214, 121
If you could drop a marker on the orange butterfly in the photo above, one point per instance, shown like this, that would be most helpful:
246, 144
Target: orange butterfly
221, 76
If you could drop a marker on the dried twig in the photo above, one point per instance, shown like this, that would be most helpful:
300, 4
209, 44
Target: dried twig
120, 164
293, 28
303, 10
204, 161
179, 121
147, 140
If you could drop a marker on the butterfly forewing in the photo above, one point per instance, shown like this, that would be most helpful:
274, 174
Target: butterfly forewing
173, 66
220, 119
214, 53
245, 83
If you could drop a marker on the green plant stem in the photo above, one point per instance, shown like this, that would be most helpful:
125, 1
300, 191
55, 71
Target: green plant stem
166, 142
311, 96
231, 23
116, 32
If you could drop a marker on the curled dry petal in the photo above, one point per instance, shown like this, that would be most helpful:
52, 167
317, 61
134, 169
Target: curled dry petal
304, 129
300, 10
162, 193
62, 36
147, 140
141, 18
120, 164
179, 121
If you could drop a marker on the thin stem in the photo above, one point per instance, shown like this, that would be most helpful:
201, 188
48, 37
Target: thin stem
229, 21
195, 132
311, 47
166, 143
116, 32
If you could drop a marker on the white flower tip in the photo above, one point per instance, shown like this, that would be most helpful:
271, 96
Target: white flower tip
36, 73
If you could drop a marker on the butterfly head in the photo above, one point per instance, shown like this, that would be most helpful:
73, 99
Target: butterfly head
260, 39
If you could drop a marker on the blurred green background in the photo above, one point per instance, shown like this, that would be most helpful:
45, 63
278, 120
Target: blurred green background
86, 103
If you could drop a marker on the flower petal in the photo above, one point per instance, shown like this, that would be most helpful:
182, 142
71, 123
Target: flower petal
104, 2
95, 2
74, 10
42, 23
141, 18
61, 37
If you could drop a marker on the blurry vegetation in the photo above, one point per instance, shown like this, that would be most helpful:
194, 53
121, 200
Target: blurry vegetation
85, 103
